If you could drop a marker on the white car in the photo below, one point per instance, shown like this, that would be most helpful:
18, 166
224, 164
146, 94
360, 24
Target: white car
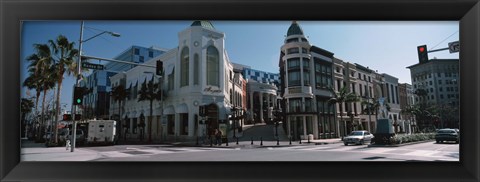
358, 137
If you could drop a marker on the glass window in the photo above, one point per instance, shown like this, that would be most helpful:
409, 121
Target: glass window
140, 59
308, 105
292, 40
184, 67
171, 79
213, 70
306, 77
295, 105
304, 40
293, 63
306, 63
196, 68
294, 78
136, 51
292, 50
304, 50
439, 82
150, 54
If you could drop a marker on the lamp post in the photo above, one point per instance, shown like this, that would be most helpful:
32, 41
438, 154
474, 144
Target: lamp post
79, 71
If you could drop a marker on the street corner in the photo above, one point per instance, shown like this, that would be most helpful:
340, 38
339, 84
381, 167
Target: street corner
58, 154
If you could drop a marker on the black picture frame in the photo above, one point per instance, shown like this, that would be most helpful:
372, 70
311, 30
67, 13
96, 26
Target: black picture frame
13, 12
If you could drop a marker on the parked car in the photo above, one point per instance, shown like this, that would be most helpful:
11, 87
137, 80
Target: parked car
358, 137
447, 134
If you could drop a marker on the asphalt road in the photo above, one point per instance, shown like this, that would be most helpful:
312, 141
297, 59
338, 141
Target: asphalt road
429, 151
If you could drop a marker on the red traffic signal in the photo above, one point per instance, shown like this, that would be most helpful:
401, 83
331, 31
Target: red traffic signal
67, 117
422, 53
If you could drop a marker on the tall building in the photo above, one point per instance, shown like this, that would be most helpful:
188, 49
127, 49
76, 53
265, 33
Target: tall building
306, 81
97, 100
436, 83
196, 73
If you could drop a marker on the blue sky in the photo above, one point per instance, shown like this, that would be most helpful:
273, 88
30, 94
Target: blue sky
388, 47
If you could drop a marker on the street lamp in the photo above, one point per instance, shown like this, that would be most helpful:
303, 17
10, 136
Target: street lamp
79, 71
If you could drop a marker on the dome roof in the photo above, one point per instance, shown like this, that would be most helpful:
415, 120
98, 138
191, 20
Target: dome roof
294, 29
204, 24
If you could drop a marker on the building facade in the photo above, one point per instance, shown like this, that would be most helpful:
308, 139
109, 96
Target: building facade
436, 84
196, 73
97, 99
306, 80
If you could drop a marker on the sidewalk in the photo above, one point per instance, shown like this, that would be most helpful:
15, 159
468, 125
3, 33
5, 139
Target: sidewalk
31, 151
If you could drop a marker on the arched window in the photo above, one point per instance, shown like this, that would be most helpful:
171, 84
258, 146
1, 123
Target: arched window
196, 67
213, 70
184, 67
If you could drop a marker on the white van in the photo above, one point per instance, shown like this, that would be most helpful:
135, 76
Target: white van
101, 131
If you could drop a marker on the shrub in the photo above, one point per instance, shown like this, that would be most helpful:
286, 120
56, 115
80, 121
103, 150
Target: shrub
402, 138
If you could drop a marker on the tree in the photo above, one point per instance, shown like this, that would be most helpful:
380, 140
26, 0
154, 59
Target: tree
150, 91
64, 54
119, 94
373, 108
341, 97
26, 106
42, 75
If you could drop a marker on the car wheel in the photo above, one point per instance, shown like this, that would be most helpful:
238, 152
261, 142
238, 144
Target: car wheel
345, 144
438, 141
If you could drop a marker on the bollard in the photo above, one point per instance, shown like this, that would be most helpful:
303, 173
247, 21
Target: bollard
261, 141
211, 142
290, 138
278, 141
237, 140
300, 141
308, 139
226, 143
252, 140
197, 141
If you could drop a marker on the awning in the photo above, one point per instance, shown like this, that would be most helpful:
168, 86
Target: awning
182, 108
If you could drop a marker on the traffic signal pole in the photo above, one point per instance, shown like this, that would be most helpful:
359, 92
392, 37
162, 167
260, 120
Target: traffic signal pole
79, 74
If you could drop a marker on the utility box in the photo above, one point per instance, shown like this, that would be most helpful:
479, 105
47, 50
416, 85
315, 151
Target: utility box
102, 131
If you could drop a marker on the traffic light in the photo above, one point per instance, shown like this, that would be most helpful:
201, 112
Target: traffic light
67, 117
422, 53
78, 96
159, 67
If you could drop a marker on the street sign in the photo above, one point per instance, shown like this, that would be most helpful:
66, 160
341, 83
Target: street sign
454, 46
92, 66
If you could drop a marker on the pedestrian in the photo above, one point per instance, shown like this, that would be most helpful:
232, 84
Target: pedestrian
218, 136
67, 144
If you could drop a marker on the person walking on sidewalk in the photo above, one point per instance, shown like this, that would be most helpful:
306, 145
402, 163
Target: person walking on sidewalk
218, 136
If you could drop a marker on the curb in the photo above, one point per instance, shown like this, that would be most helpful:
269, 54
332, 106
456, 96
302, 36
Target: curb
400, 145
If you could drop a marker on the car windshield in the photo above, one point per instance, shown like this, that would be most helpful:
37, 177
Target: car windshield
357, 133
446, 131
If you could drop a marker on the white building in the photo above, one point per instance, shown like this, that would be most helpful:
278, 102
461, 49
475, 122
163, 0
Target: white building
197, 72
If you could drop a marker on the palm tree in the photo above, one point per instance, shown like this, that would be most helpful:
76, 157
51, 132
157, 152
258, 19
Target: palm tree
341, 97
149, 91
26, 106
33, 82
372, 108
64, 54
119, 94
42, 75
